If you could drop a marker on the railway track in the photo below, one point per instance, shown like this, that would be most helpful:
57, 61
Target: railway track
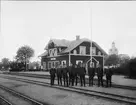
4, 101
15, 98
48, 77
114, 97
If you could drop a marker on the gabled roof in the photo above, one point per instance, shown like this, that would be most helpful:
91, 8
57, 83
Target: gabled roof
70, 45
74, 44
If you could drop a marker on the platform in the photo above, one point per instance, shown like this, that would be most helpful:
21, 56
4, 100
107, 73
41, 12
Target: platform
116, 79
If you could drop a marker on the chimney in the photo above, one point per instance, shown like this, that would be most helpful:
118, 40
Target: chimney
77, 37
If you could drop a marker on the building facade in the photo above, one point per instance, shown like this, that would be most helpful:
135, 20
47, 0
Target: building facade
80, 50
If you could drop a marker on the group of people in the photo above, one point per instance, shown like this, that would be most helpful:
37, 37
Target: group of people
70, 76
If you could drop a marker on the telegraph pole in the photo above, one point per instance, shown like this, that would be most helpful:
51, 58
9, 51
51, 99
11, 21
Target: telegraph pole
91, 36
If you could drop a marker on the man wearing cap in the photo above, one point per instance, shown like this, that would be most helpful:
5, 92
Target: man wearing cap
52, 75
99, 71
91, 74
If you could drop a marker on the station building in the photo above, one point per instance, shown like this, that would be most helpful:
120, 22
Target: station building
58, 51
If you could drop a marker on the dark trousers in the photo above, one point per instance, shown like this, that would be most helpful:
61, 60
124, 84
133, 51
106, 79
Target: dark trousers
91, 78
108, 81
65, 79
70, 79
59, 80
73, 80
52, 79
82, 80
76, 79
100, 81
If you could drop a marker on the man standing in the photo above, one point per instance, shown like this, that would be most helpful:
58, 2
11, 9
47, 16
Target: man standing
99, 75
59, 74
109, 74
91, 74
75, 74
52, 75
72, 75
82, 72
65, 74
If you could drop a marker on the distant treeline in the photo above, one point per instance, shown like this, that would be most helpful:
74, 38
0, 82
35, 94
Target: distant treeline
21, 66
128, 69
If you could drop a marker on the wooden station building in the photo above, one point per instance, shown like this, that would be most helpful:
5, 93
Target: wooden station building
58, 51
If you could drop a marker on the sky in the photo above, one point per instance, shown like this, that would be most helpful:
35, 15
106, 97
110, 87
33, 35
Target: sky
33, 23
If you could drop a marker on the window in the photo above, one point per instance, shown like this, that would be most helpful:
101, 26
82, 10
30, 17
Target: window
90, 51
99, 53
82, 50
56, 63
49, 65
92, 64
59, 50
44, 65
74, 52
53, 52
79, 62
63, 62
93, 50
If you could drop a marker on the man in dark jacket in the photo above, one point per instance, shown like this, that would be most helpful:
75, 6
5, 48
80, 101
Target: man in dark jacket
99, 71
82, 72
52, 75
91, 74
72, 74
59, 75
108, 73
65, 74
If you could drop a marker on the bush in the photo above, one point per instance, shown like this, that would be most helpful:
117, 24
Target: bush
132, 68
128, 69
15, 69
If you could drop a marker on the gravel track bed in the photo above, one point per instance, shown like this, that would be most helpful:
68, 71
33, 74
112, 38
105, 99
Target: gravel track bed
55, 96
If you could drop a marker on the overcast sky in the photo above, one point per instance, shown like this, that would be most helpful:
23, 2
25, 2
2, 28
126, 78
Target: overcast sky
33, 23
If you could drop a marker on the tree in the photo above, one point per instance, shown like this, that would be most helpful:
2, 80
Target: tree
24, 54
112, 60
5, 63
123, 59
34, 64
0, 65
132, 67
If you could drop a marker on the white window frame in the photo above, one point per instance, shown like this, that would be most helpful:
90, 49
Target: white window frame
93, 50
99, 53
90, 50
75, 51
92, 63
82, 50
56, 62
53, 52
48, 65
63, 61
44, 65
77, 61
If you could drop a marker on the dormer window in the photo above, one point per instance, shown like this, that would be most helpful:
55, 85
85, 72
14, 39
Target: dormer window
53, 52
74, 52
82, 50
59, 50
99, 53
93, 50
